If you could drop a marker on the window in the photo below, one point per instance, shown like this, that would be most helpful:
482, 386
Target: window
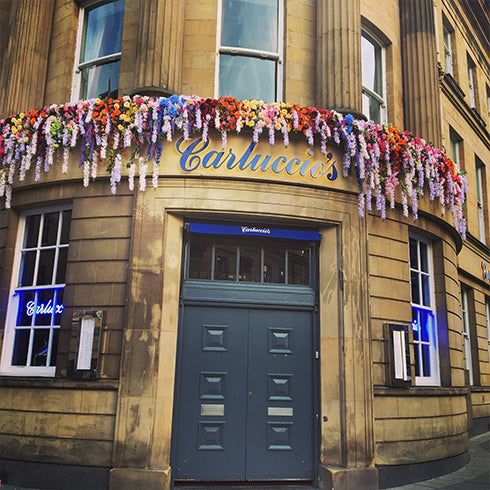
250, 37
480, 178
36, 303
471, 81
455, 147
249, 261
373, 79
448, 52
99, 51
466, 333
423, 314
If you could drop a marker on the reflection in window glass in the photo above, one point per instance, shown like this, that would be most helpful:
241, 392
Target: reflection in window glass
249, 24
247, 78
373, 73
200, 260
250, 57
274, 265
100, 51
21, 346
32, 230
250, 261
298, 266
225, 262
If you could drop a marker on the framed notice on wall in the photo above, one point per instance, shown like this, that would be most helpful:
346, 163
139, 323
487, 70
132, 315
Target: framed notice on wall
399, 373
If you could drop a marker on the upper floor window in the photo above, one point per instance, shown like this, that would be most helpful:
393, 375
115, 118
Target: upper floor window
455, 142
250, 38
466, 333
471, 81
423, 313
36, 300
373, 79
480, 179
448, 51
99, 50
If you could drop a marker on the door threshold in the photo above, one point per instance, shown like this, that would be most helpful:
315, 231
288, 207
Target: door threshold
243, 485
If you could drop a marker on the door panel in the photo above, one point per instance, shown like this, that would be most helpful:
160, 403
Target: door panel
213, 390
280, 401
245, 409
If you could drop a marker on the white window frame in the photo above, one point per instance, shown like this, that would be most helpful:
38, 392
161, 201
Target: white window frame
434, 378
448, 50
6, 368
381, 98
77, 66
466, 332
479, 167
254, 53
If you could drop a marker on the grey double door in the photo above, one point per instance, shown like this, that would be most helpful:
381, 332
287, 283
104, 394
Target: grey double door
245, 405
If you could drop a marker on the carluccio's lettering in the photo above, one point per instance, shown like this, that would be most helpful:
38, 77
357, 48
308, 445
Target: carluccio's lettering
195, 156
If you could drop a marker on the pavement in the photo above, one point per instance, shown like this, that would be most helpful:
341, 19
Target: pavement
473, 476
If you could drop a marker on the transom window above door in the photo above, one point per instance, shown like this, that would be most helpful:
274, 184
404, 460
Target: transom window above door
249, 260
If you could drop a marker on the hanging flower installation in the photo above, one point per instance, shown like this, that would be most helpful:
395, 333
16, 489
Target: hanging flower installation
382, 158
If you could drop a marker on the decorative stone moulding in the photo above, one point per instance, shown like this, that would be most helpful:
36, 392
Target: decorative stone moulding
383, 159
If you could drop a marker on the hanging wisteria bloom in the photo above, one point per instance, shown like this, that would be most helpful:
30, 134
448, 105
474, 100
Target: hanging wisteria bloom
384, 160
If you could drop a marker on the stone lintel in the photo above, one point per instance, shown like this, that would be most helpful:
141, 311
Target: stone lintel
331, 477
147, 478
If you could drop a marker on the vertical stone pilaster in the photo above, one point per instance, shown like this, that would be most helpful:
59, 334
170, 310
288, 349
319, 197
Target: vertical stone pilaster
338, 72
160, 40
419, 69
23, 76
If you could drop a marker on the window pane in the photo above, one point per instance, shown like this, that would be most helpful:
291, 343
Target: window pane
274, 265
45, 307
200, 260
65, 230
425, 360
59, 307
225, 263
415, 324
425, 325
32, 230
424, 257
299, 266
61, 270
250, 24
50, 229
247, 78
250, 259
100, 81
40, 347
371, 107
426, 289
27, 302
414, 281
417, 359
103, 30
28, 263
372, 76
46, 265
54, 347
21, 346
414, 261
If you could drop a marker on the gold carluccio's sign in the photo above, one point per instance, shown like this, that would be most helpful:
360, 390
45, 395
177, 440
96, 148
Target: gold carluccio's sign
199, 157
485, 271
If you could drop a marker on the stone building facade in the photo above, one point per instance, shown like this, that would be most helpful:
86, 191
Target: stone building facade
240, 321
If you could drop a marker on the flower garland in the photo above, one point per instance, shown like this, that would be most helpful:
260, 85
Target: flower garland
382, 158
